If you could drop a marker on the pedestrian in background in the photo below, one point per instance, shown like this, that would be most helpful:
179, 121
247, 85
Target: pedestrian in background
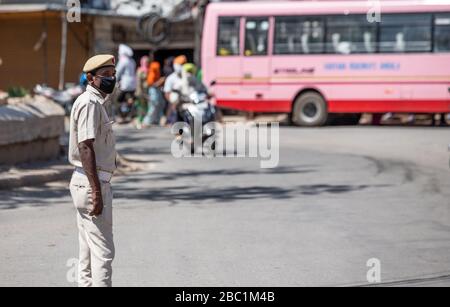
83, 82
156, 104
126, 76
442, 119
142, 90
168, 66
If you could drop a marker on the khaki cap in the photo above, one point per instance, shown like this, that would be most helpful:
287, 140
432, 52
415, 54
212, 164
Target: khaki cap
99, 61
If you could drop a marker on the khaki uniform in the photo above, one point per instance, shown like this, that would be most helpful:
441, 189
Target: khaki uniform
89, 120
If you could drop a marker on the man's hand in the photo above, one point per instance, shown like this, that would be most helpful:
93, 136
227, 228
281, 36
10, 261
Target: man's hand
97, 202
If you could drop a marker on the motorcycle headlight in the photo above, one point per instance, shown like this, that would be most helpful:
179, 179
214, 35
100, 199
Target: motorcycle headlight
202, 97
209, 131
194, 97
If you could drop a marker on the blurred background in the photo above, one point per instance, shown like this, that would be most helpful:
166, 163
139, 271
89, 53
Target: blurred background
361, 90
105, 24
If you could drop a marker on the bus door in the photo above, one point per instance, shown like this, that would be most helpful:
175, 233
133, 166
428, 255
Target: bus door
225, 69
256, 62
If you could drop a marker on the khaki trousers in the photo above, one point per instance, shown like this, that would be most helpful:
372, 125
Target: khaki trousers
95, 234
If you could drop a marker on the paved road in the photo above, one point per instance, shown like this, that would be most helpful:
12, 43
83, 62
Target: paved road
339, 197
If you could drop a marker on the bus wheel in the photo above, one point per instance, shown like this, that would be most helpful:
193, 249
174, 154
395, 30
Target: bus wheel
310, 109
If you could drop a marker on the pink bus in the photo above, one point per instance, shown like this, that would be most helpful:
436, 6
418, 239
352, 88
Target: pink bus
316, 59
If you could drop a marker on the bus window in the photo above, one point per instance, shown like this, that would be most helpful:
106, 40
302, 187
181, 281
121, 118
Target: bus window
442, 33
228, 36
298, 35
350, 34
406, 33
256, 36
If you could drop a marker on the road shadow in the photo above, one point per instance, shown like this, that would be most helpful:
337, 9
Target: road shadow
162, 176
180, 194
131, 150
38, 196
130, 139
318, 189
42, 196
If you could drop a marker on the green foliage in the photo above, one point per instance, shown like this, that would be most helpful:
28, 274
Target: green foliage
17, 92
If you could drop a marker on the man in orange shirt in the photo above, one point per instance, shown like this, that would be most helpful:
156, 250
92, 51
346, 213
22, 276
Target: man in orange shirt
156, 101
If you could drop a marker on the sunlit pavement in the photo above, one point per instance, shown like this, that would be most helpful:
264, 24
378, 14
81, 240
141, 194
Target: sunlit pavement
340, 196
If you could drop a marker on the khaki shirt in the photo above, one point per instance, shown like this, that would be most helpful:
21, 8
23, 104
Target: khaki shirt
89, 120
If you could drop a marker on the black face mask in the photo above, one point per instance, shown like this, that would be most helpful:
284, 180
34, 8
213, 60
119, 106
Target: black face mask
108, 84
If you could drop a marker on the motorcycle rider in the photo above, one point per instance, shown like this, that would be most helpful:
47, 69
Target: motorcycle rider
195, 107
190, 83
172, 88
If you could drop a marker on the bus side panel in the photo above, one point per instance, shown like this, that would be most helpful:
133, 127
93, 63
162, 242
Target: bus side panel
351, 84
367, 83
416, 83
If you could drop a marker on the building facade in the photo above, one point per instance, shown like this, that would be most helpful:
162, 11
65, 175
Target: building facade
32, 36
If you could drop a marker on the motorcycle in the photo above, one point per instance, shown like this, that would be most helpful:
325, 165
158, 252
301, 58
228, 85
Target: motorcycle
200, 116
65, 98
127, 107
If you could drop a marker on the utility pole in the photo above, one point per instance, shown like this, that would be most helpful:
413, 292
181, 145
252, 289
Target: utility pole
198, 30
62, 64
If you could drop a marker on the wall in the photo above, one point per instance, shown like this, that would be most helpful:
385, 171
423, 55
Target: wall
30, 129
22, 65
110, 32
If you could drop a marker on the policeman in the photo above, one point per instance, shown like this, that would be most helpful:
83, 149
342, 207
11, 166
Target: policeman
92, 152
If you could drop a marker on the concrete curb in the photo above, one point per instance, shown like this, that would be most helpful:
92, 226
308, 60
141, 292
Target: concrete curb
35, 178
